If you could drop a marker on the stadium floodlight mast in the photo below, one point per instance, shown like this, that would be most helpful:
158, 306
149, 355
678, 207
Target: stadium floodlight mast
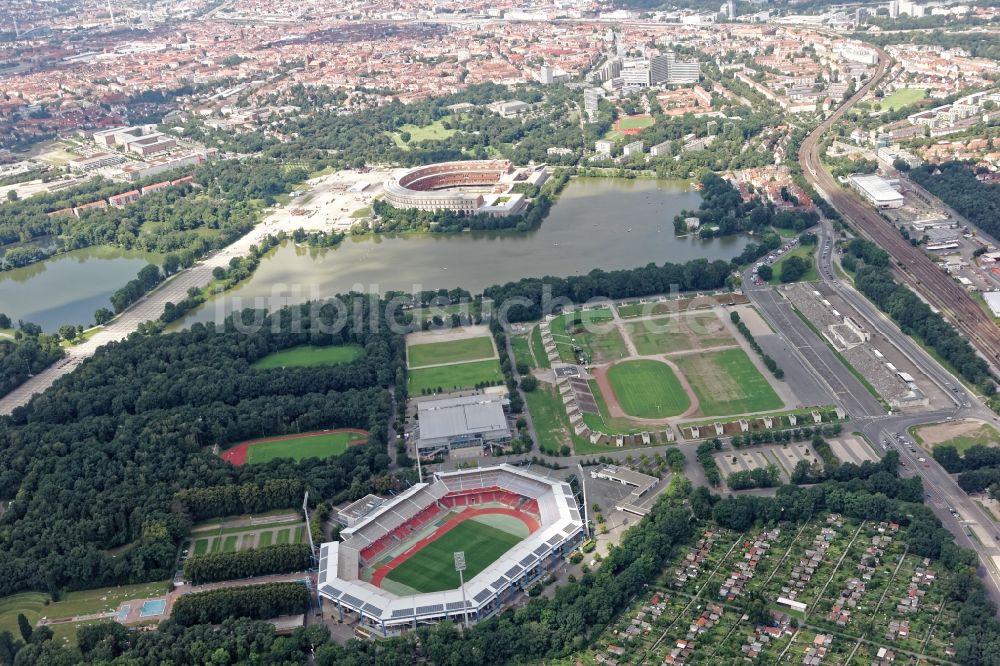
460, 567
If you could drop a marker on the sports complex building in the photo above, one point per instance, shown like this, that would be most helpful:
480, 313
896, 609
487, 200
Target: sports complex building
394, 569
470, 187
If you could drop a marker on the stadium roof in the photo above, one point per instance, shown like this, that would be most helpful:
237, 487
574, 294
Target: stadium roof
489, 584
467, 415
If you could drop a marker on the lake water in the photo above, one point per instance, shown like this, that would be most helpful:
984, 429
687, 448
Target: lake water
598, 223
68, 288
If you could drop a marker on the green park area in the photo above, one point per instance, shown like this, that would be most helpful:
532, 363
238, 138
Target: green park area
432, 569
900, 98
648, 389
208, 540
409, 133
36, 605
306, 356
454, 377
727, 382
451, 351
298, 448
804, 254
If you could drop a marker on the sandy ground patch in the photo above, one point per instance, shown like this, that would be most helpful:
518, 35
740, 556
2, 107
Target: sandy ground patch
447, 335
937, 433
753, 320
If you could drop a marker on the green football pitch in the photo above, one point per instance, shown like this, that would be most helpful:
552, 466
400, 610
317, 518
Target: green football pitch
307, 356
432, 569
648, 389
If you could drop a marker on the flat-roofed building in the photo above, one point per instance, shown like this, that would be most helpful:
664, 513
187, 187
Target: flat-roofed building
473, 421
877, 190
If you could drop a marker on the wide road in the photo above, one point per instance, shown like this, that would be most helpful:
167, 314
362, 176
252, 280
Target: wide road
914, 267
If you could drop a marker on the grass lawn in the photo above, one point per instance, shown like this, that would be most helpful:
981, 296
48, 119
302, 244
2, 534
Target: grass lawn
229, 544
599, 339
804, 251
314, 446
900, 98
453, 351
432, 569
522, 350
200, 547
549, 417
265, 539
687, 331
635, 122
451, 377
648, 389
727, 382
604, 422
307, 356
216, 546
282, 536
538, 349
434, 131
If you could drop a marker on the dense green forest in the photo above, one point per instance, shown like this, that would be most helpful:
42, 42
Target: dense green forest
276, 559
955, 183
257, 602
131, 430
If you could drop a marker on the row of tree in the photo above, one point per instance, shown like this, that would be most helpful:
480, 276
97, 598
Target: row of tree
276, 559
771, 364
257, 602
956, 184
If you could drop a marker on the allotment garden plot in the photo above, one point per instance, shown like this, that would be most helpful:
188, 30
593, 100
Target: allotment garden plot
835, 592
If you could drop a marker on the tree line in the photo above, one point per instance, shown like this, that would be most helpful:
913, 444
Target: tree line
28, 352
257, 602
275, 559
771, 364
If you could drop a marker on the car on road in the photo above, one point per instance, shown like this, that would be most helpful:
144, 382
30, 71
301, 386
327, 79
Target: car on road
921, 459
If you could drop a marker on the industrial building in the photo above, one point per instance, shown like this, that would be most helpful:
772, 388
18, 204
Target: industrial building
475, 422
878, 191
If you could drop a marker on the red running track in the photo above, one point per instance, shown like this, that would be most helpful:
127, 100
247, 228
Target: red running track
385, 570
238, 454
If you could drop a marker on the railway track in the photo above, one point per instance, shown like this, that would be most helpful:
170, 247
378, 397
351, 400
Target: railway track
915, 269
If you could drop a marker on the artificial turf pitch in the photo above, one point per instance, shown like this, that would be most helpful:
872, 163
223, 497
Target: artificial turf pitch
432, 569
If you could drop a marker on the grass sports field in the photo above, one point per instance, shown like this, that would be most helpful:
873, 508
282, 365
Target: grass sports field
308, 356
900, 98
727, 382
451, 377
682, 332
635, 122
309, 445
432, 569
453, 351
648, 389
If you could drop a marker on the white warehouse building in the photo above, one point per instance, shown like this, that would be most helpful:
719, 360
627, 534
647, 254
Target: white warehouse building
877, 191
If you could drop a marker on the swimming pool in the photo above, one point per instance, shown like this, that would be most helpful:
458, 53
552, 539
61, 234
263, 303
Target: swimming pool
152, 607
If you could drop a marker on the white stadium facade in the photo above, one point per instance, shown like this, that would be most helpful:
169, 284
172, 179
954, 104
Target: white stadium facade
369, 542
468, 187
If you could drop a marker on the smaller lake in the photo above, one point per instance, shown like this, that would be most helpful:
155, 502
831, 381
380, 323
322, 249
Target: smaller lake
68, 288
